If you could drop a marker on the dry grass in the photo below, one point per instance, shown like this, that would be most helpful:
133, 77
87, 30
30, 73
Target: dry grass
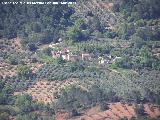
7, 70
12, 44
46, 92
34, 66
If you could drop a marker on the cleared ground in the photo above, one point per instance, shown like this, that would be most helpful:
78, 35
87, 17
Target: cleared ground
47, 92
115, 112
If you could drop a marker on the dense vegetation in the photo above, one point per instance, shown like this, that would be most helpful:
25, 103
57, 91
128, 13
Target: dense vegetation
140, 18
26, 21
68, 70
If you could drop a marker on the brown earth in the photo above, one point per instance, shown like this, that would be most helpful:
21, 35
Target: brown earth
46, 91
115, 112
7, 70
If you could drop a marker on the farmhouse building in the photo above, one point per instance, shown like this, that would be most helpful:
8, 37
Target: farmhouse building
108, 59
66, 55
85, 56
103, 61
55, 54
116, 58
73, 58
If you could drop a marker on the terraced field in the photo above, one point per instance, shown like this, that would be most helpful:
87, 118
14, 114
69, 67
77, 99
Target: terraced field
7, 70
115, 112
118, 110
45, 91
10, 56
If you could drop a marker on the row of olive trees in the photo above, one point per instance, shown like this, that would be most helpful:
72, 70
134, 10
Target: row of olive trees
75, 99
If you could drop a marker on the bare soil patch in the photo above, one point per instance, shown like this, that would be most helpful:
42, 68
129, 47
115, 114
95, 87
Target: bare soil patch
46, 91
117, 111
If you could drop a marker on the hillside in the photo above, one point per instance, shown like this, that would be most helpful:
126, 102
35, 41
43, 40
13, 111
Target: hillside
95, 60
116, 111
